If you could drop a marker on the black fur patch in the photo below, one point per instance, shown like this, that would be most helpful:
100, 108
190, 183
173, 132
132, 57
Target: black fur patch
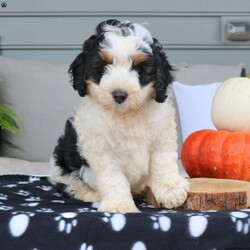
66, 152
146, 71
61, 189
85, 66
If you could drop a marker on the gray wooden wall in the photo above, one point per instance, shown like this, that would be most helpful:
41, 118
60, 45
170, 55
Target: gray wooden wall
190, 30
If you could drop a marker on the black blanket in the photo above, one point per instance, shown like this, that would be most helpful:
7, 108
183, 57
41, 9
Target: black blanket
33, 215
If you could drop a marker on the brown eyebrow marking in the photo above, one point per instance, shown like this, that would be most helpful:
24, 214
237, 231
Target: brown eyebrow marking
139, 58
106, 56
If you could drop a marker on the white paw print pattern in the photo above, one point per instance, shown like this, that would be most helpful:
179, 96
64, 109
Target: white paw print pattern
168, 211
162, 223
66, 222
58, 201
85, 210
197, 224
19, 223
3, 197
23, 182
117, 221
241, 221
44, 188
23, 193
32, 198
84, 246
139, 245
58, 195
6, 208
30, 214
32, 202
45, 210
10, 186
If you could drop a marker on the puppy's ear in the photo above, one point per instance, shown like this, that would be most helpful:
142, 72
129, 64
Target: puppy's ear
163, 76
78, 70
78, 74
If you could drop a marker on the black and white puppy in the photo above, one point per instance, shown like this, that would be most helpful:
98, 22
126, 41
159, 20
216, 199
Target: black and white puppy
123, 135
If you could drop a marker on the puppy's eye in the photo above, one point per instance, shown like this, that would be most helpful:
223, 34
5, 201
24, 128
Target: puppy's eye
138, 67
135, 67
144, 67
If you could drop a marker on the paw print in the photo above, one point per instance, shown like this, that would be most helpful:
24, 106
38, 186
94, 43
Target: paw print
45, 210
84, 246
31, 204
117, 221
58, 195
85, 209
10, 186
164, 211
197, 224
6, 208
3, 5
241, 221
22, 212
44, 188
3, 197
162, 223
58, 201
66, 222
23, 193
139, 245
19, 223
23, 182
32, 198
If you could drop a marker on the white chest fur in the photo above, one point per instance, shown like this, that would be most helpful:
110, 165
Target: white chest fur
126, 141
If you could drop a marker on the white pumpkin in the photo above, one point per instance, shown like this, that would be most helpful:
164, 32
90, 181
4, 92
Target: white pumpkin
231, 105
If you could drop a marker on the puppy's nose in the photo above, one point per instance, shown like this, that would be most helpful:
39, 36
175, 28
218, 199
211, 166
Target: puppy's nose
119, 96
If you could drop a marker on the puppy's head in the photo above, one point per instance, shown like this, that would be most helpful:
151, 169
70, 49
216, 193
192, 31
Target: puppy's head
121, 67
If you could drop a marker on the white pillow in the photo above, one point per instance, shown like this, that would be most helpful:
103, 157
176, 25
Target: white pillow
194, 105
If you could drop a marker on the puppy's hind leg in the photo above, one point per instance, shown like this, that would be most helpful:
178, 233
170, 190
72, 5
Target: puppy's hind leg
74, 187
66, 164
81, 191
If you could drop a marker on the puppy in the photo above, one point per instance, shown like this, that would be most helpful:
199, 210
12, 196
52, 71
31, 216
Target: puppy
123, 135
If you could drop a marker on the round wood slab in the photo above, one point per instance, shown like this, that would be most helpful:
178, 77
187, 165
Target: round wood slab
212, 194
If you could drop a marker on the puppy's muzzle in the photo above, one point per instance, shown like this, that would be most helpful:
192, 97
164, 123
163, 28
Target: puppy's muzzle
119, 96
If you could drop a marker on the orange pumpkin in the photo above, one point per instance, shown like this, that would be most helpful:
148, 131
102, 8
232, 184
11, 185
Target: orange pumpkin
217, 154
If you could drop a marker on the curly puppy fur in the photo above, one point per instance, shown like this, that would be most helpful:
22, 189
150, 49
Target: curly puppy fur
123, 135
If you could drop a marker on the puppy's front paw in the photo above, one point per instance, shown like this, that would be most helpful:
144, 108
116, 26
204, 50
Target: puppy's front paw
120, 206
171, 193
